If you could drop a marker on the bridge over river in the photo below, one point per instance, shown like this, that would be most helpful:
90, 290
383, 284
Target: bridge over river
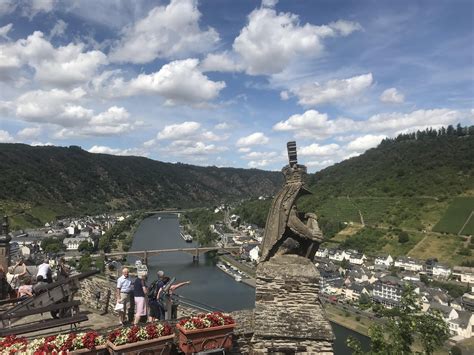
144, 254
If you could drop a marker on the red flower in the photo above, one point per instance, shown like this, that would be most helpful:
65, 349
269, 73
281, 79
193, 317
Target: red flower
113, 335
132, 334
167, 330
89, 339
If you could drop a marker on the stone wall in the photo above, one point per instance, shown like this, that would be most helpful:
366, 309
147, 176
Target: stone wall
91, 287
288, 316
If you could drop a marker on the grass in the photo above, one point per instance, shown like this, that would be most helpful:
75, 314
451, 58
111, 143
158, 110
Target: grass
443, 247
347, 232
33, 216
456, 215
405, 212
337, 315
339, 209
394, 248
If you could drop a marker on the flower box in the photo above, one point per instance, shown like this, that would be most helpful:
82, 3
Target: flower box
161, 345
205, 332
99, 350
156, 338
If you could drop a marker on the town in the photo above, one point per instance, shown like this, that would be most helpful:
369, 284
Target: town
351, 282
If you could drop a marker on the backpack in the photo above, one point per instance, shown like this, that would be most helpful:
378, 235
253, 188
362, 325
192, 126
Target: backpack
152, 290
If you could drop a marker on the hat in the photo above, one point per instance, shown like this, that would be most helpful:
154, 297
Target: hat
160, 273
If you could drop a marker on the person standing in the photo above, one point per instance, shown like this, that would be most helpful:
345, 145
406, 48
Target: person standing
123, 292
62, 270
155, 308
139, 293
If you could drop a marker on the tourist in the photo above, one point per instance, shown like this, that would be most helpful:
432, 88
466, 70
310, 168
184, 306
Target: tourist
62, 270
40, 286
45, 270
5, 288
26, 289
20, 264
13, 279
164, 296
155, 309
139, 292
123, 292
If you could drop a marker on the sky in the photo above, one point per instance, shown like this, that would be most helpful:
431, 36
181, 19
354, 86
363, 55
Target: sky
228, 83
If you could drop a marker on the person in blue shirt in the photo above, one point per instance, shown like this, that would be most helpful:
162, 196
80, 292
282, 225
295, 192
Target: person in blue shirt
123, 292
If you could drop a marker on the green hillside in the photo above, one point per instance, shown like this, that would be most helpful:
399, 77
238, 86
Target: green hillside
49, 181
408, 184
458, 217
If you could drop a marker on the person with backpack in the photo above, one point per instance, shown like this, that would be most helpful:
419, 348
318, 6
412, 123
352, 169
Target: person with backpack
156, 310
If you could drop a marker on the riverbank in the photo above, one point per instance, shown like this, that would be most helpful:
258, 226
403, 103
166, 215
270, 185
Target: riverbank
356, 323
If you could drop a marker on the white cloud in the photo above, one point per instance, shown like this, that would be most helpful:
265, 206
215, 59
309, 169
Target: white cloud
392, 95
187, 139
199, 148
222, 126
166, 32
29, 133
114, 121
257, 138
53, 106
271, 40
419, 119
318, 150
179, 131
331, 91
319, 164
244, 150
62, 66
7, 7
5, 137
315, 125
58, 30
284, 95
4, 31
100, 149
345, 28
221, 62
33, 7
363, 143
179, 82
269, 3
261, 156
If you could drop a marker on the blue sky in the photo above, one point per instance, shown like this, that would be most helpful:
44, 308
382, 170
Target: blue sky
228, 83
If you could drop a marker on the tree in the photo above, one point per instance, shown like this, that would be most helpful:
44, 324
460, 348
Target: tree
364, 301
85, 263
345, 264
52, 245
403, 237
404, 322
85, 247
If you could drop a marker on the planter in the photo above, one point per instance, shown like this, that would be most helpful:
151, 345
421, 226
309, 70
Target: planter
193, 341
161, 345
99, 350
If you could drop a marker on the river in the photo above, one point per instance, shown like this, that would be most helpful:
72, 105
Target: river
209, 285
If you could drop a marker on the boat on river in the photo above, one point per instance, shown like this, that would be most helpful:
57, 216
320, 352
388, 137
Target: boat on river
187, 238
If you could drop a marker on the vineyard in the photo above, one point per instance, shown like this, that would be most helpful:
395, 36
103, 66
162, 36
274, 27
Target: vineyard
458, 218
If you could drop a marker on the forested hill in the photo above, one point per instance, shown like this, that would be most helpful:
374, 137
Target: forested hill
89, 182
428, 163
